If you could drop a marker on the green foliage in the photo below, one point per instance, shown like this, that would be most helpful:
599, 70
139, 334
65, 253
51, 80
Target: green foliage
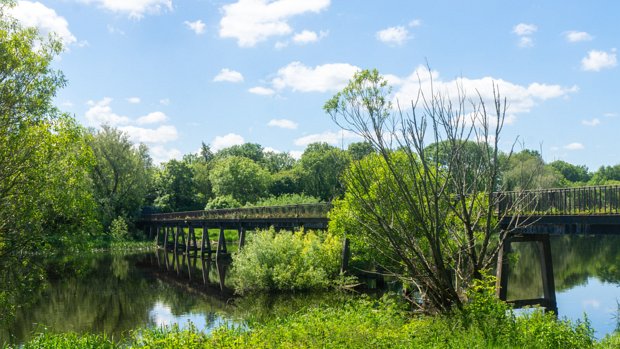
239, 177
252, 151
286, 199
71, 341
572, 173
358, 150
286, 262
527, 170
118, 229
219, 202
121, 176
176, 188
321, 166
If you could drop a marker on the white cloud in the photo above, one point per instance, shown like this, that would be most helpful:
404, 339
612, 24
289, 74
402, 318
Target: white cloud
393, 35
100, 113
271, 150
523, 29
45, 19
152, 118
322, 78
283, 123
526, 41
333, 138
521, 98
415, 23
133, 100
598, 60
197, 27
221, 142
164, 101
162, 134
161, 154
253, 21
574, 146
228, 75
308, 36
262, 91
575, 36
280, 45
296, 154
135, 9
592, 122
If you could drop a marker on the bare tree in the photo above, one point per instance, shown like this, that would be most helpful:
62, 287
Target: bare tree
426, 201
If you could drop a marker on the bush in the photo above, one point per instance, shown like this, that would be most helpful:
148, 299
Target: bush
220, 202
119, 231
286, 261
286, 199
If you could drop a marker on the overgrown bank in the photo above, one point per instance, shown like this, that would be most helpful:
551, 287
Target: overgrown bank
364, 323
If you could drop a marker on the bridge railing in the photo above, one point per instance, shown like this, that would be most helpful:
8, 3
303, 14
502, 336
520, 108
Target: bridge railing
562, 201
300, 211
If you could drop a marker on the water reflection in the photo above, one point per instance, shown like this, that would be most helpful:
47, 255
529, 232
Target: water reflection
586, 274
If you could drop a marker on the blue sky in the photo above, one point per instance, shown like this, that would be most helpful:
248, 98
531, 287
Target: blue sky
175, 73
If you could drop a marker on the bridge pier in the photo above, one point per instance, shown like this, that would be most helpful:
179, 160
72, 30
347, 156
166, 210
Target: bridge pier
221, 244
546, 270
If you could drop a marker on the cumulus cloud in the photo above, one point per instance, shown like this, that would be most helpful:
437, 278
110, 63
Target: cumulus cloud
152, 118
135, 9
45, 19
228, 76
296, 154
521, 98
576, 36
101, 113
261, 91
523, 29
253, 21
307, 36
162, 154
197, 27
221, 142
333, 138
574, 146
393, 35
161, 134
133, 100
283, 123
322, 78
592, 122
599, 60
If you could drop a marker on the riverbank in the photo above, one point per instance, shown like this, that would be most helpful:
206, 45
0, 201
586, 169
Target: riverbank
363, 323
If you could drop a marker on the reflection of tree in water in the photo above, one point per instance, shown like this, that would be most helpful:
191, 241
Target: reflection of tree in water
575, 259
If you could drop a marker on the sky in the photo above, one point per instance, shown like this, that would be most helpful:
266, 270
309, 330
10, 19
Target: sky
173, 73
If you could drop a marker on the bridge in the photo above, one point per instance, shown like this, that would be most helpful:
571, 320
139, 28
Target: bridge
525, 216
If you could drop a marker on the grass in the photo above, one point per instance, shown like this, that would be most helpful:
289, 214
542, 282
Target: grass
363, 323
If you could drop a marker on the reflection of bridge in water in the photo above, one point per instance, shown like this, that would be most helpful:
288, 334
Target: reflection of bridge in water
525, 216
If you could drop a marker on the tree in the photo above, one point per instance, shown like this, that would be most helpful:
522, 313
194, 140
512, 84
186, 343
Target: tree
45, 198
278, 162
526, 170
320, 168
252, 151
121, 175
358, 150
433, 215
572, 173
176, 187
239, 177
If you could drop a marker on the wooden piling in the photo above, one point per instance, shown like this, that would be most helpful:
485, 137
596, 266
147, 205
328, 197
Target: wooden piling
344, 262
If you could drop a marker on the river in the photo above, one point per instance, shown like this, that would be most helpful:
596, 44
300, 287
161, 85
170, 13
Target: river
116, 293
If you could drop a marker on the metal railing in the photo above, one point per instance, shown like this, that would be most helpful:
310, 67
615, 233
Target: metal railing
594, 200
301, 211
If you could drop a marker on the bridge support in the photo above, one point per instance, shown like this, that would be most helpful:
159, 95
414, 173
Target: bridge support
546, 270
241, 237
221, 244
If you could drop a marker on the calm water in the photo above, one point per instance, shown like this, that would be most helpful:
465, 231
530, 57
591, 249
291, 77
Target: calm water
117, 293
586, 275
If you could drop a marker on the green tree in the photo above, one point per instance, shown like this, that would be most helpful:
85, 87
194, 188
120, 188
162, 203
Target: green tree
176, 187
122, 174
320, 168
45, 195
358, 150
572, 173
251, 151
433, 215
239, 177
278, 162
527, 170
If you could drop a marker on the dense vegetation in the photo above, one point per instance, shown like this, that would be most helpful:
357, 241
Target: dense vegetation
365, 323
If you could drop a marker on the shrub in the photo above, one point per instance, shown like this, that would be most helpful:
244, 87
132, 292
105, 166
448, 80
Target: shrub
226, 201
286, 199
286, 261
118, 229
